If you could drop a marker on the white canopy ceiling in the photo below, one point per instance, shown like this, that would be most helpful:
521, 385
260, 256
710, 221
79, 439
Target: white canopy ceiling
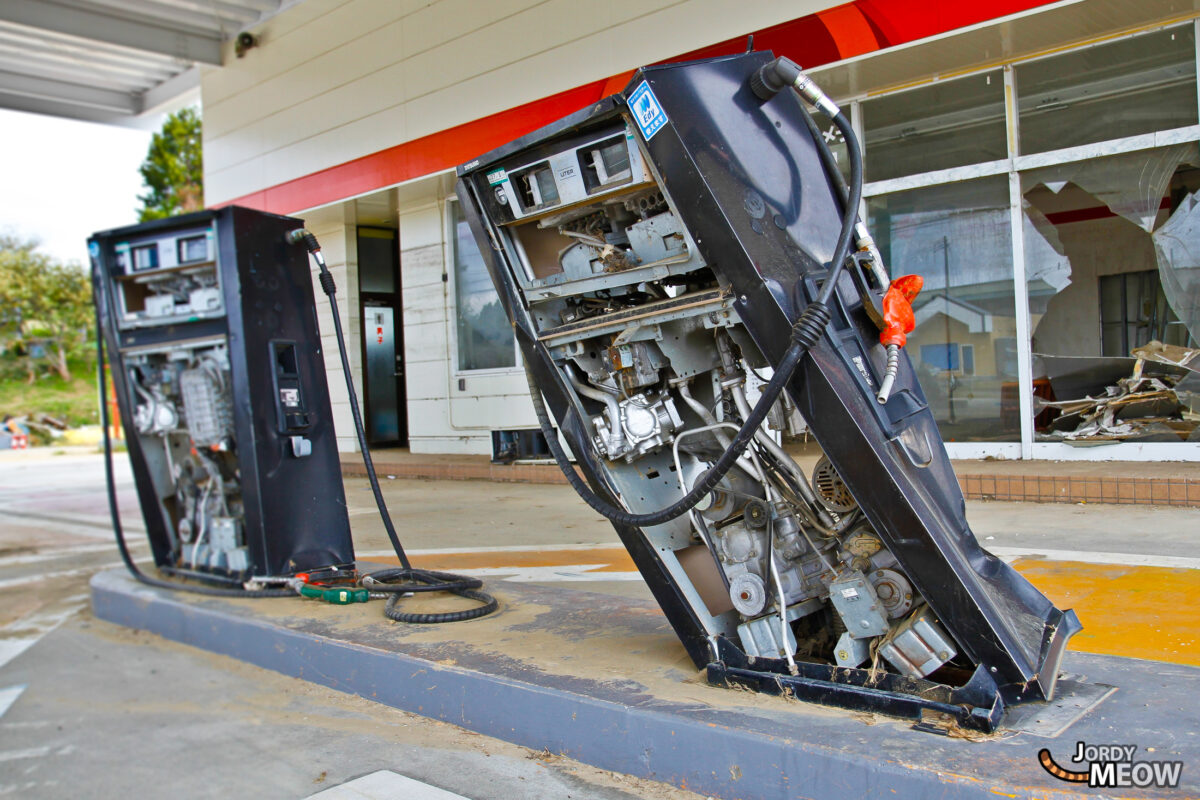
114, 61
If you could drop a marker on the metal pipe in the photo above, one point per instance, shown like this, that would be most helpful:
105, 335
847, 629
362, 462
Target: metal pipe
764, 439
754, 467
711, 422
615, 439
782, 602
737, 390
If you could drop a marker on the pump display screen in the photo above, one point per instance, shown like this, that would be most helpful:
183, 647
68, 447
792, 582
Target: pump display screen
193, 248
145, 257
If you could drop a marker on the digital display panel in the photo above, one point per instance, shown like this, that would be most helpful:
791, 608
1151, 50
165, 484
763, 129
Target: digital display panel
193, 248
145, 257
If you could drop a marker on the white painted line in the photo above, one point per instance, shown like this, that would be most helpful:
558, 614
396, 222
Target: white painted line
64, 552
28, 630
69, 573
29, 752
385, 785
1121, 559
1008, 554
9, 696
92, 525
11, 648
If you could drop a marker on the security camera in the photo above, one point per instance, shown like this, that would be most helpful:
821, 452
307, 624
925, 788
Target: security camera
244, 42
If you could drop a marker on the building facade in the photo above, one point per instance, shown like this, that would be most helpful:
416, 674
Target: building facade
1035, 162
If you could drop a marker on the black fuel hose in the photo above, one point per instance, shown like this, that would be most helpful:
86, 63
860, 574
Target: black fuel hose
413, 581
828, 161
407, 579
115, 513
806, 330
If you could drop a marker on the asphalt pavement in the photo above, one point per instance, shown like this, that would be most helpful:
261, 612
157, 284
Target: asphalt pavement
87, 708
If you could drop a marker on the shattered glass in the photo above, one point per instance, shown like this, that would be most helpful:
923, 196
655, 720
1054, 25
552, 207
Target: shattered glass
1177, 247
1131, 185
1046, 264
1112, 252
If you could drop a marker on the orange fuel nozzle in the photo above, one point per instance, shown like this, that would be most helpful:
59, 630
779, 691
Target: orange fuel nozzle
897, 309
898, 321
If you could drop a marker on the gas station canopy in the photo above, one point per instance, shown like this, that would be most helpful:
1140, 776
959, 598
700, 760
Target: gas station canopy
114, 61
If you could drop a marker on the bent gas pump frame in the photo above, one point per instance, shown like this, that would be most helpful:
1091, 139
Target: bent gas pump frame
658, 253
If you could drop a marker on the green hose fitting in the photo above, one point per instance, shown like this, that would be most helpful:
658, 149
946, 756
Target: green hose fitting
339, 597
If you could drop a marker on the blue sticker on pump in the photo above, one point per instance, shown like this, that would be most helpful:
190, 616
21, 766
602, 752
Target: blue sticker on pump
647, 113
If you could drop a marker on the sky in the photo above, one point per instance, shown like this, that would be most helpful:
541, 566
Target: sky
62, 180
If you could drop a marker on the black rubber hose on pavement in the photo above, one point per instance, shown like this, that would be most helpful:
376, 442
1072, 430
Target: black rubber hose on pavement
407, 579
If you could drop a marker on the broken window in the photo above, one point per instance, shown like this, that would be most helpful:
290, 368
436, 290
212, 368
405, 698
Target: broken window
957, 237
1104, 239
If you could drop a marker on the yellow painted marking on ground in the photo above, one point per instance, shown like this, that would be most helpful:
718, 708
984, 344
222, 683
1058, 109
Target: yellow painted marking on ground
1140, 612
1134, 611
615, 559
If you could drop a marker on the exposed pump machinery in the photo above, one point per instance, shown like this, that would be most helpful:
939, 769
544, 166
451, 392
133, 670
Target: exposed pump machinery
209, 326
211, 332
687, 277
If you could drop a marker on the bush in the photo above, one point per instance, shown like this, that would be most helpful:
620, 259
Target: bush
45, 312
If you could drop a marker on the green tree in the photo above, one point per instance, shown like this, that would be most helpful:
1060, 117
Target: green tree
174, 168
45, 308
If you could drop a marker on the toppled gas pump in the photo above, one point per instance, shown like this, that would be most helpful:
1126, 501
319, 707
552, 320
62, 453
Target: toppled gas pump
681, 262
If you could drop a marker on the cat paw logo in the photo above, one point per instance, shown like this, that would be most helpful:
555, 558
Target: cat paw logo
1112, 766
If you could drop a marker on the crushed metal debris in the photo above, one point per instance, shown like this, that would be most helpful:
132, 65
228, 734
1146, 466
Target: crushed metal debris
1152, 404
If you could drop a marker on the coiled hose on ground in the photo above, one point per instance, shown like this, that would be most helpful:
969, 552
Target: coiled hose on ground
407, 579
